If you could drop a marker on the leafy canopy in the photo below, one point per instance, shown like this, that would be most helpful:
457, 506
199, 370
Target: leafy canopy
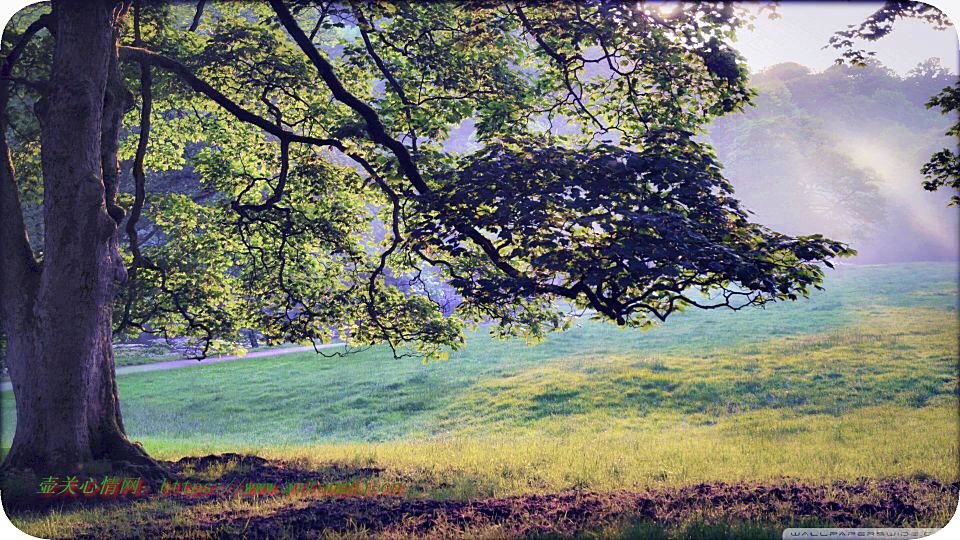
313, 170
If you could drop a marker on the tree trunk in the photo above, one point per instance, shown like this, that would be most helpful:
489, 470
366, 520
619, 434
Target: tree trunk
60, 337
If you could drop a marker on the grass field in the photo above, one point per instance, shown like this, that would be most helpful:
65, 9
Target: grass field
859, 381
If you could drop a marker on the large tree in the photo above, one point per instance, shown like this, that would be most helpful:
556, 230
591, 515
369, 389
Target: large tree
302, 126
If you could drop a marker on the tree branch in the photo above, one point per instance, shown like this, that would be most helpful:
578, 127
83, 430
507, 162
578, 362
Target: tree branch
277, 191
39, 87
385, 71
563, 63
378, 132
135, 54
42, 22
196, 17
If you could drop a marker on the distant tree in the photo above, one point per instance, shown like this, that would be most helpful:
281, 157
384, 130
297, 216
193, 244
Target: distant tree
927, 79
842, 151
627, 215
943, 168
789, 166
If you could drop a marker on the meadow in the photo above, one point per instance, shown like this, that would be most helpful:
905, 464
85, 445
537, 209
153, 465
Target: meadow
856, 385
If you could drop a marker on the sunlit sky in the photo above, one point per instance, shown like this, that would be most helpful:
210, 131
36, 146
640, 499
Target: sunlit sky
807, 26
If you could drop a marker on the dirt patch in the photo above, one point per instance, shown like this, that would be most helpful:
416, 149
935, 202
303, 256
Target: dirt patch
845, 504
242, 470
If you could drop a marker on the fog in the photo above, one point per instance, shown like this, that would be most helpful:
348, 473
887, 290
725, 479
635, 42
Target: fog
839, 152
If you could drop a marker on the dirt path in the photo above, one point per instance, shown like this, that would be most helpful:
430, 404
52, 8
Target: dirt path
174, 364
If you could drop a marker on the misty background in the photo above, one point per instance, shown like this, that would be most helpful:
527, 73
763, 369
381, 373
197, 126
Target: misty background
838, 152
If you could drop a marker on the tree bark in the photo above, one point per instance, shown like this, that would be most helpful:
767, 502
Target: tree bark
59, 327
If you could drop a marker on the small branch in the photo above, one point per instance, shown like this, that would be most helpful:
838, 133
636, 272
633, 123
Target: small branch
277, 191
320, 19
196, 17
38, 86
42, 22
134, 54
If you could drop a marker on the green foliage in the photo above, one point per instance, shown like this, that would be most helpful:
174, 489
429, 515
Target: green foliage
943, 169
315, 199
637, 229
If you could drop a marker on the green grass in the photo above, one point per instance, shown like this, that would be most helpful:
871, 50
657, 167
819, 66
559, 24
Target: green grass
893, 343
665, 451
858, 380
